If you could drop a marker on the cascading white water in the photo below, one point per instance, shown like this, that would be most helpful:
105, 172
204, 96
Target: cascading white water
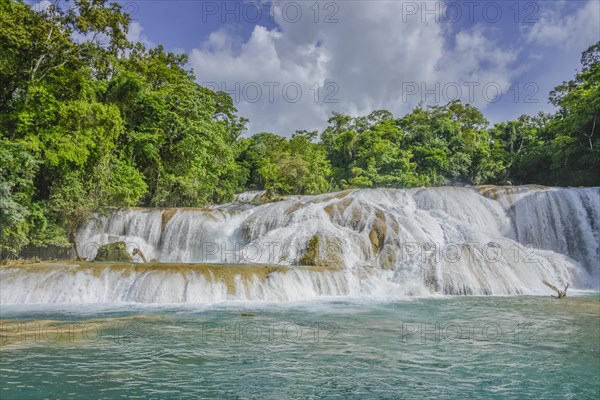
74, 284
565, 221
374, 243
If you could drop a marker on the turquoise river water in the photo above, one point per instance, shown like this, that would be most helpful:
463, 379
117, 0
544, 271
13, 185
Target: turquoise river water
525, 347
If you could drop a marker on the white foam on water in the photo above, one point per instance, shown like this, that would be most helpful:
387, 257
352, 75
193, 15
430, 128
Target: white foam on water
383, 243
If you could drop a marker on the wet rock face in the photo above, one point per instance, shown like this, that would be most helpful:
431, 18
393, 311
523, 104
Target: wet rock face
113, 252
378, 232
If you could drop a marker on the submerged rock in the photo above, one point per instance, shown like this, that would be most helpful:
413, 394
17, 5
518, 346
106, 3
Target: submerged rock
113, 252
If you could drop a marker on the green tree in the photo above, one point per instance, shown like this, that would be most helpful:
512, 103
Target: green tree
17, 172
575, 146
107, 122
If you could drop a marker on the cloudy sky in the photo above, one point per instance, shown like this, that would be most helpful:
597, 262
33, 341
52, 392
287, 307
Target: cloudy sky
289, 64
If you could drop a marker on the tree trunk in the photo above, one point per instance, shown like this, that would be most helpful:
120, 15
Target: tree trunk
139, 253
73, 240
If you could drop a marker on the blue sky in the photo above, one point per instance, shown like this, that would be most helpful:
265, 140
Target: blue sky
289, 64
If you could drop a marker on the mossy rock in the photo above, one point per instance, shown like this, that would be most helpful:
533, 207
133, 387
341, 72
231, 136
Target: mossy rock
270, 196
113, 252
323, 252
312, 252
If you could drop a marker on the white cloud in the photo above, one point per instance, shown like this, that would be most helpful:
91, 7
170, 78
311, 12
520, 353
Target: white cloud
41, 6
371, 54
136, 34
578, 30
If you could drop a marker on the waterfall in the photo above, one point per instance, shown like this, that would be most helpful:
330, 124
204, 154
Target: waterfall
565, 221
366, 243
